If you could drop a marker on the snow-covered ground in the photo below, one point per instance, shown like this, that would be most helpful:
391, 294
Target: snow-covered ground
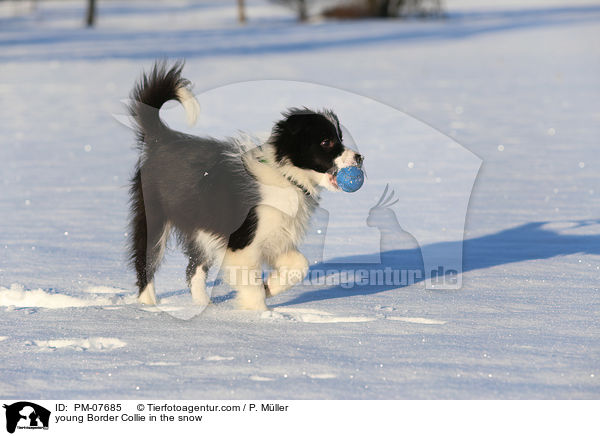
517, 86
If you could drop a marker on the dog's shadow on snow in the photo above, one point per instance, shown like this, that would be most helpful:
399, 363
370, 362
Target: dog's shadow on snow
531, 241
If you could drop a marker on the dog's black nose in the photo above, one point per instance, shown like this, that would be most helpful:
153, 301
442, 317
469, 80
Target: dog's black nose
358, 158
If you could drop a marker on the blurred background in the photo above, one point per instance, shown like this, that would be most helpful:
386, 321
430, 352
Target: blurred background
102, 12
303, 9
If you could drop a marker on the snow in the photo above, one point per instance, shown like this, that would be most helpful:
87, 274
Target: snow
416, 320
516, 86
216, 357
311, 316
18, 296
84, 344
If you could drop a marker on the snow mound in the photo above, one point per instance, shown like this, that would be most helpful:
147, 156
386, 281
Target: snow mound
324, 376
163, 364
104, 290
84, 344
260, 378
416, 320
217, 358
18, 296
311, 316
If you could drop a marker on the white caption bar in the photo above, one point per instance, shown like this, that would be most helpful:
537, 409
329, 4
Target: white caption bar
160, 417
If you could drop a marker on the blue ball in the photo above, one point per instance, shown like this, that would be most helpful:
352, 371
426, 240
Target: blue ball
350, 179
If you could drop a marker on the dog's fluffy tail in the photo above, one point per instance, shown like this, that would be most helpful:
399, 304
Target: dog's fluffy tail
153, 90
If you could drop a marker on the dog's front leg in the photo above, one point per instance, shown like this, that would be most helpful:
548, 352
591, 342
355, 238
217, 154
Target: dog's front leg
243, 273
290, 269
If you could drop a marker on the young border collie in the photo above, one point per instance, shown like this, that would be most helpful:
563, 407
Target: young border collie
226, 203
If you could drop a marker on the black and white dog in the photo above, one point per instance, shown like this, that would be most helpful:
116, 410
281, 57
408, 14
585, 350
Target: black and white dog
226, 203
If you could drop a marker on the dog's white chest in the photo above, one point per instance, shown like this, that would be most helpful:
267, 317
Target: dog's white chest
282, 219
284, 200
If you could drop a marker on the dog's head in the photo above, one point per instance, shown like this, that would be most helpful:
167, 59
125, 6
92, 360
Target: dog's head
312, 142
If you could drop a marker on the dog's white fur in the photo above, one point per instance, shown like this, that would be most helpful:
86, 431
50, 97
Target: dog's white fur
148, 295
189, 103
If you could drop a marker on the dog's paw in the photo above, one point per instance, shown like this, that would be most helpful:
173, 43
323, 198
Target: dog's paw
201, 300
148, 296
255, 304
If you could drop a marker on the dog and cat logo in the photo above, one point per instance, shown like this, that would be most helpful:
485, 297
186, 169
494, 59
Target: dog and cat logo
26, 415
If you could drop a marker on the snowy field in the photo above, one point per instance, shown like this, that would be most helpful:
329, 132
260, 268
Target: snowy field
518, 86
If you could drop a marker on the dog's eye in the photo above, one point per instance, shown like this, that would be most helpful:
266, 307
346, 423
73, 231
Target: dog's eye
326, 143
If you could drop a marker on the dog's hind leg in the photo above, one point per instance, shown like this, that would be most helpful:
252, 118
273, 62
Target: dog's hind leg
196, 272
149, 234
158, 234
203, 251
148, 241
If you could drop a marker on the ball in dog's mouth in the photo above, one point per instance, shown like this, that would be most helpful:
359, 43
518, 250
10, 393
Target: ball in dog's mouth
350, 179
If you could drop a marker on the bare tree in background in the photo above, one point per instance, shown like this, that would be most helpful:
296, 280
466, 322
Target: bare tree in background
300, 6
394, 8
241, 11
302, 12
91, 13
380, 8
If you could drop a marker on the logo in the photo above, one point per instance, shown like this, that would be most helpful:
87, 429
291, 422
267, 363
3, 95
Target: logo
25, 415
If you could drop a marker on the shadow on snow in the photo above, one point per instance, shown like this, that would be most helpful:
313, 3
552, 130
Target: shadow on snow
522, 243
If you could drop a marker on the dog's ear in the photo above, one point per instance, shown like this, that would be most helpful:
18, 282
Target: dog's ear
294, 123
